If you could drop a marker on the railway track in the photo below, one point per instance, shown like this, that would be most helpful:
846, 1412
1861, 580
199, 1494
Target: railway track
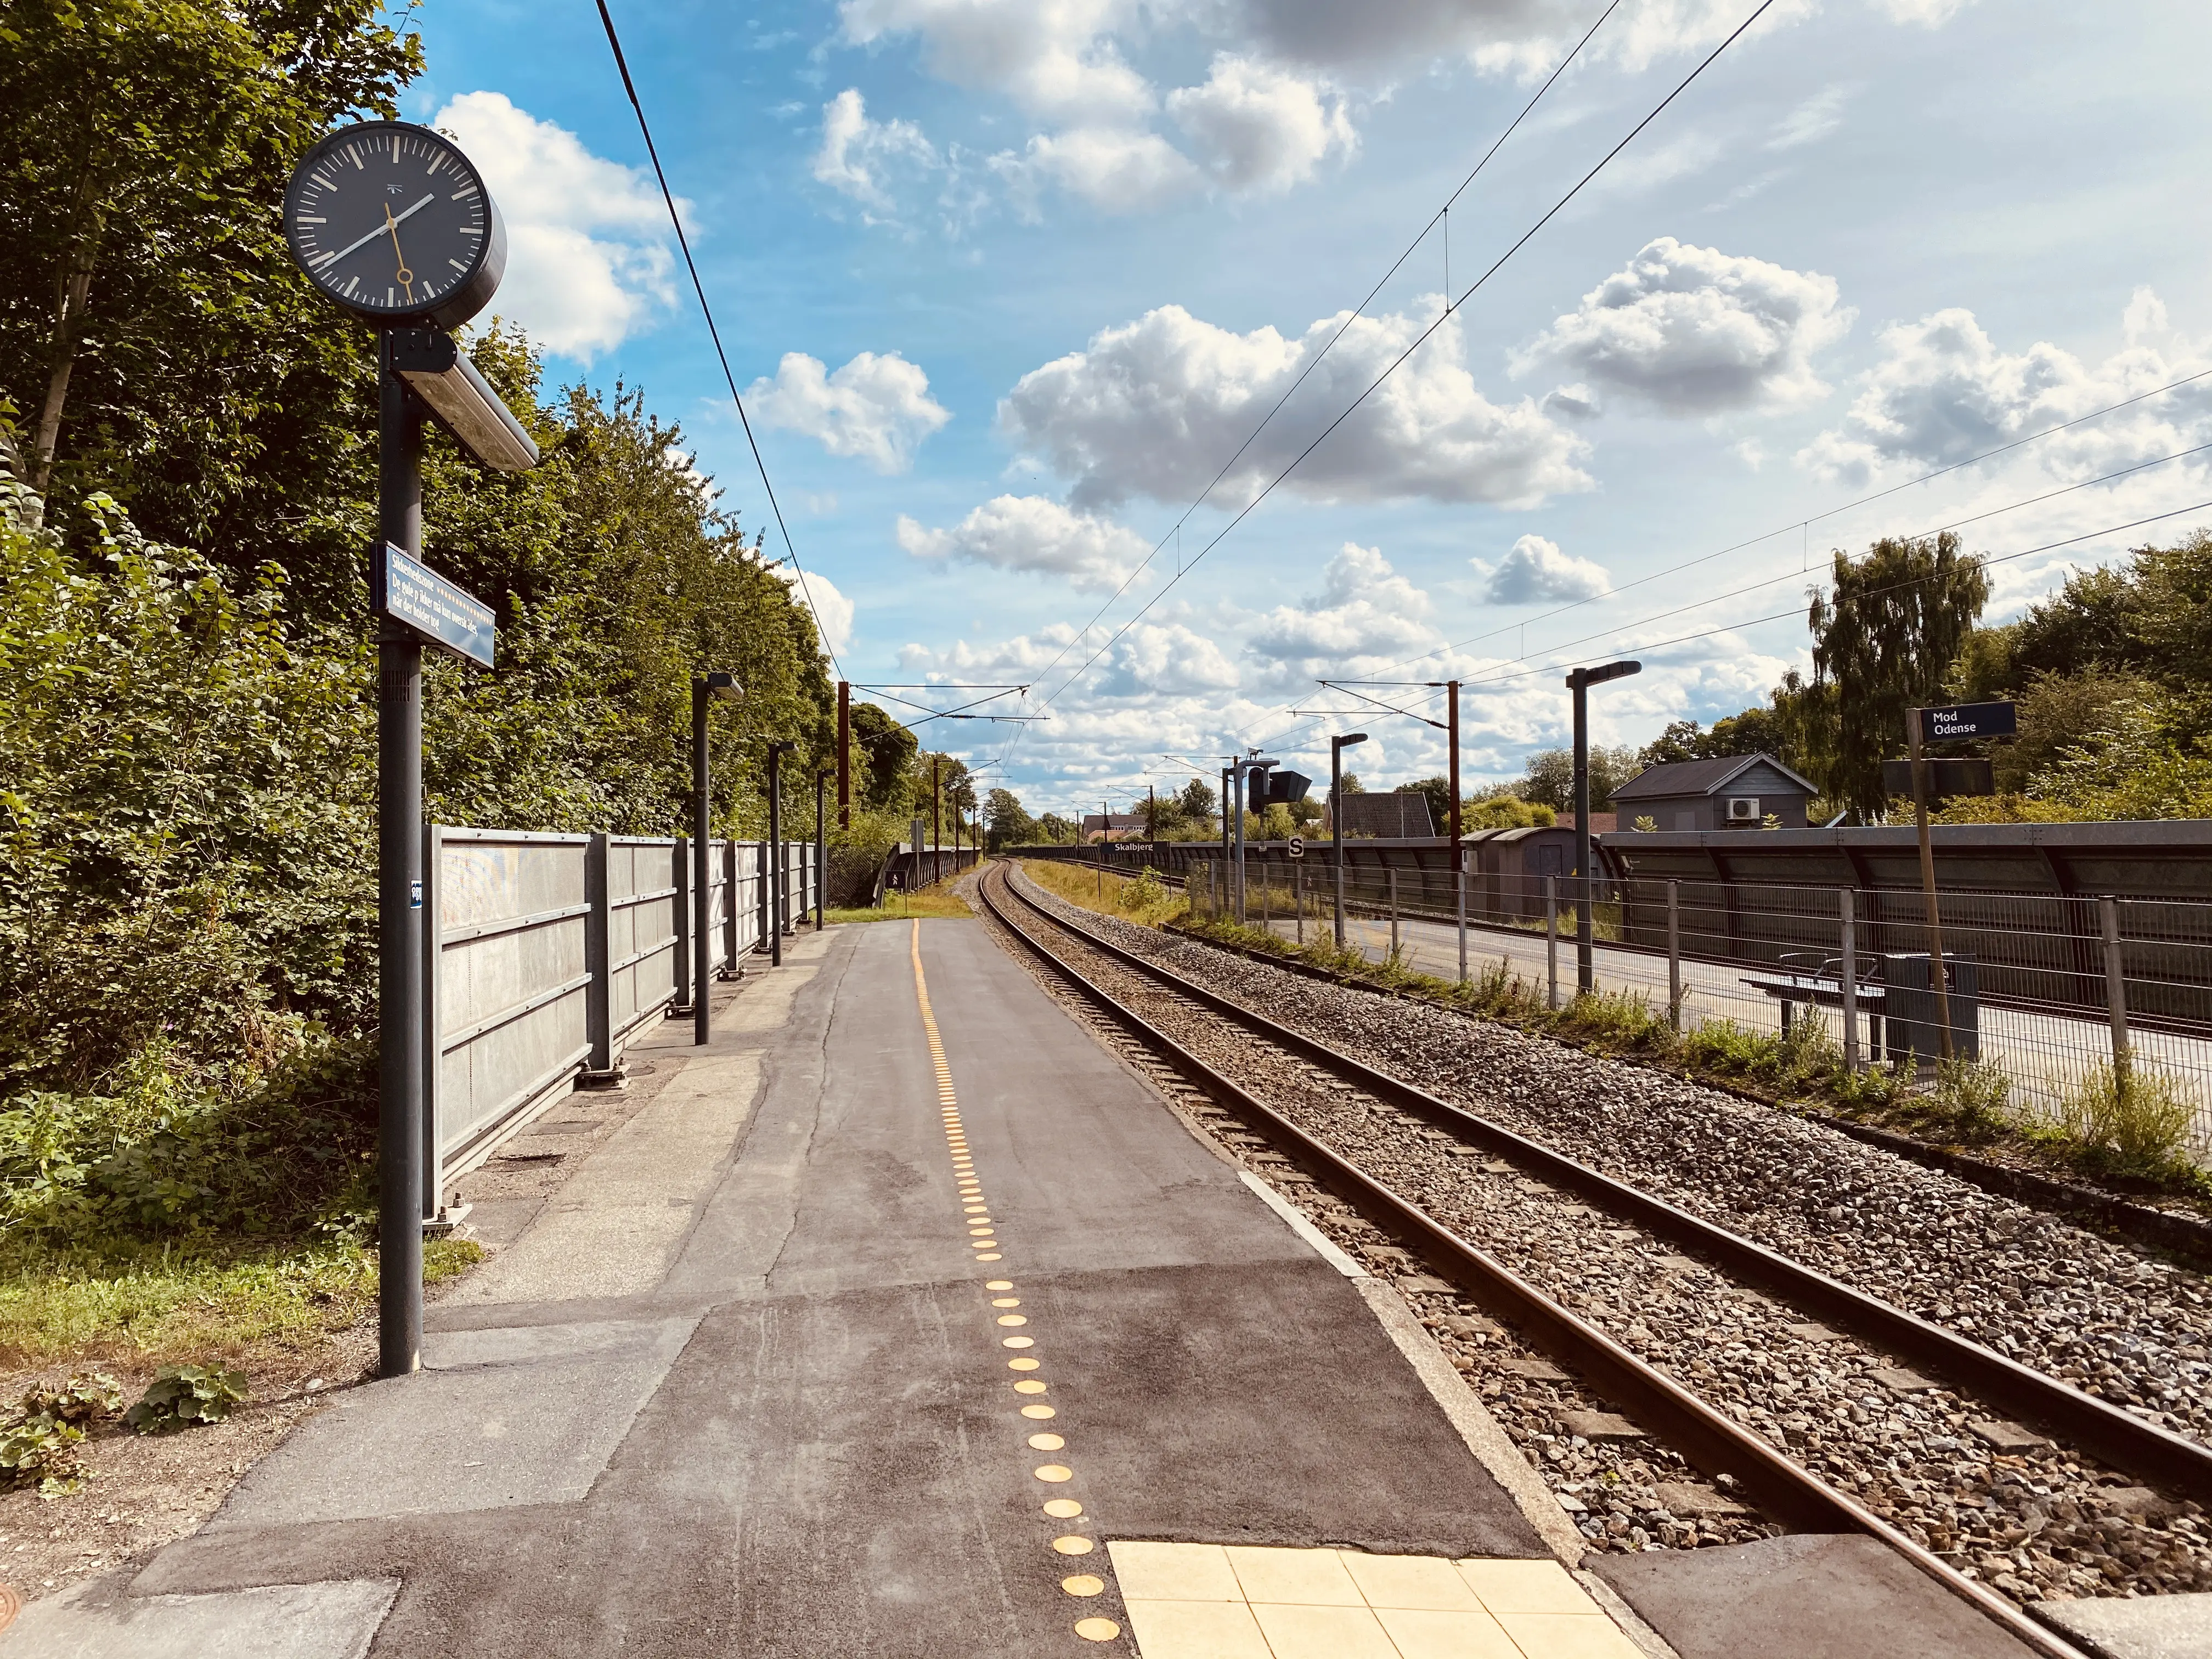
1349, 1123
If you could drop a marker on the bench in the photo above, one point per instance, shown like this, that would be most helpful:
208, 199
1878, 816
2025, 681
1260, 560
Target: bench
1821, 985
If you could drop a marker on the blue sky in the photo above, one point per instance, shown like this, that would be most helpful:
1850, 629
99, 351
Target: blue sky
1007, 282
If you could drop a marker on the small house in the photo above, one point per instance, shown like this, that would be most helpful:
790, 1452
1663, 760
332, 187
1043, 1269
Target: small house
1735, 792
1506, 868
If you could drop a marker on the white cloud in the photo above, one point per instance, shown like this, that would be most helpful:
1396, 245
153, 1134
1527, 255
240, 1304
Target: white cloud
1365, 611
1943, 391
1812, 120
1929, 14
1028, 532
1260, 129
1154, 407
1051, 57
833, 611
1536, 570
1118, 170
876, 408
587, 262
1696, 331
856, 154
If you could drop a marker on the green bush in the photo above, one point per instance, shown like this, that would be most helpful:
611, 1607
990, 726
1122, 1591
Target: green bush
2136, 1121
1970, 1098
39, 1437
184, 1396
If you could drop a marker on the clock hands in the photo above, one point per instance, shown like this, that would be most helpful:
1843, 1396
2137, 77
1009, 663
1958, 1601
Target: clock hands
405, 278
390, 219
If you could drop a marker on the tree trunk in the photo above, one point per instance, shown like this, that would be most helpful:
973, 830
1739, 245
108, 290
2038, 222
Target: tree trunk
72, 289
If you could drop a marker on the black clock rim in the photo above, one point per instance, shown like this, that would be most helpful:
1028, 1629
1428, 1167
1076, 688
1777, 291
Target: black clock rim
464, 301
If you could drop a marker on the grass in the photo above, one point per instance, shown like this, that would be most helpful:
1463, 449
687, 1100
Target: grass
163, 1304
2136, 1134
902, 906
1143, 898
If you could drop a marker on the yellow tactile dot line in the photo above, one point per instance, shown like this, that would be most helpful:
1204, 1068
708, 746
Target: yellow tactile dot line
983, 1239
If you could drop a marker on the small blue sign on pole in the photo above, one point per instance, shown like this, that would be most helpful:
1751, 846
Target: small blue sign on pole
409, 591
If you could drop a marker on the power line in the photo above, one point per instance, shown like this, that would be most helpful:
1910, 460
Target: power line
699, 287
1833, 512
1985, 560
1175, 531
1420, 340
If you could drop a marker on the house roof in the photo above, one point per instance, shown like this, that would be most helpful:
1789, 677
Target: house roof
1675, 778
1392, 816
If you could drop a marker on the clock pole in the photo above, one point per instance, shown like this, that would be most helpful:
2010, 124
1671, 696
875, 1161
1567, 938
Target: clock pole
400, 1126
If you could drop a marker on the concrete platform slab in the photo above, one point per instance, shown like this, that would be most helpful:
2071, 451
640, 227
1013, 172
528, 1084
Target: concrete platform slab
285, 1621
1809, 1596
2137, 1627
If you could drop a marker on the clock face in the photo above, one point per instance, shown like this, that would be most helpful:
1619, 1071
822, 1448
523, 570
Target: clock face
391, 220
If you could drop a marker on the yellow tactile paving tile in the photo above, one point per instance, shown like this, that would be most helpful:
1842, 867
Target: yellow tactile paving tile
1240, 1602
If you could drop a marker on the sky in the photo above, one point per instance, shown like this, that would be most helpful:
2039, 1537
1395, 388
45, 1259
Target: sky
1011, 288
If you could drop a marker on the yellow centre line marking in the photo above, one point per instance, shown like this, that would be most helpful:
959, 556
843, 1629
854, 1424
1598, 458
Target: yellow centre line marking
983, 1239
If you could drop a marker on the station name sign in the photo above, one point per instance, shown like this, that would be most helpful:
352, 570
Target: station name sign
1969, 719
408, 591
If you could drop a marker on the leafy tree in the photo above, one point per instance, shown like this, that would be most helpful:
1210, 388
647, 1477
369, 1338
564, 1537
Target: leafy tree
1011, 825
153, 330
1057, 831
1350, 783
1883, 641
883, 759
1550, 779
1505, 813
1754, 732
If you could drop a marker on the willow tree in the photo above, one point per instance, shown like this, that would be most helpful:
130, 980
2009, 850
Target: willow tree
1883, 637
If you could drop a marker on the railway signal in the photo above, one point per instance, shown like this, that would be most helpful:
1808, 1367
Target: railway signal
393, 224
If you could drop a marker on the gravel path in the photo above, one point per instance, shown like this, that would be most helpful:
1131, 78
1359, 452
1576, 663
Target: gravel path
2033, 1520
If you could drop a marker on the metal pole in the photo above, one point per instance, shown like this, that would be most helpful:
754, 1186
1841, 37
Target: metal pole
936, 826
1585, 847
844, 755
1848, 977
1938, 975
821, 855
775, 853
1298, 898
400, 1044
1674, 954
1393, 912
1336, 829
1459, 900
1240, 774
702, 948
2116, 995
1451, 719
1551, 935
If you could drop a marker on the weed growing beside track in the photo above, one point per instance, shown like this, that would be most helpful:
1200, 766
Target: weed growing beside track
2132, 1140
1143, 898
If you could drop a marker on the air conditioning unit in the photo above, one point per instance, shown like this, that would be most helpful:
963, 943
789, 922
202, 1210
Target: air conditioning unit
1743, 808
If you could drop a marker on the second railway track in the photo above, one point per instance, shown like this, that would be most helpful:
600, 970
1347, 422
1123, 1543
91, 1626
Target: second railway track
1694, 1347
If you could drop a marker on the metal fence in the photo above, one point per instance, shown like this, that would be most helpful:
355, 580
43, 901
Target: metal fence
547, 953
2052, 990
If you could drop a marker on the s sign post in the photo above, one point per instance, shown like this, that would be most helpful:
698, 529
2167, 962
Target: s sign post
392, 223
1968, 719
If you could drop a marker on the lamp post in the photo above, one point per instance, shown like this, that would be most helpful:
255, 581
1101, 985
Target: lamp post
1579, 681
821, 850
936, 827
705, 690
1336, 748
775, 904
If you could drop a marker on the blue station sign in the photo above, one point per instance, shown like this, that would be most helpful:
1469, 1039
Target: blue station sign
408, 591
1969, 719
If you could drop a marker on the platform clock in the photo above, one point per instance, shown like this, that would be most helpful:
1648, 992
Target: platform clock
392, 222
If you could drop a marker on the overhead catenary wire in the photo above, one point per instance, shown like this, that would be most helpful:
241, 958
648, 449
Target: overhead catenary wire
614, 40
1175, 533
1419, 340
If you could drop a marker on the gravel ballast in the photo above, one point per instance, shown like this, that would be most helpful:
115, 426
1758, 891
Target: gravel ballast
2035, 1521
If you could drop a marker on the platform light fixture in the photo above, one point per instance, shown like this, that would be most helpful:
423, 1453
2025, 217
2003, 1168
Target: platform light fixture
459, 399
1336, 748
1579, 681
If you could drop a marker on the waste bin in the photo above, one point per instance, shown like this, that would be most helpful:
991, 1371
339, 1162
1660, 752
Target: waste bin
1910, 1008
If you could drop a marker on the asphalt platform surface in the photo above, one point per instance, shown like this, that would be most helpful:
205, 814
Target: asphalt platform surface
739, 1388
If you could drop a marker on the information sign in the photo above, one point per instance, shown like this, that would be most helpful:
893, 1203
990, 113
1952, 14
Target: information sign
1298, 847
1969, 719
409, 591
